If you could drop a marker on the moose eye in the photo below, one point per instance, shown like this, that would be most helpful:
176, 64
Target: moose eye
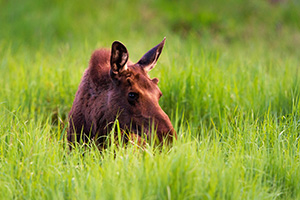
133, 96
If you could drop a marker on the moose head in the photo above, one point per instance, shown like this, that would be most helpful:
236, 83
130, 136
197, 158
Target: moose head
115, 88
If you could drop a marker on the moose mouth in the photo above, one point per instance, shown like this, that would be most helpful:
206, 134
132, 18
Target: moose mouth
140, 127
146, 131
140, 131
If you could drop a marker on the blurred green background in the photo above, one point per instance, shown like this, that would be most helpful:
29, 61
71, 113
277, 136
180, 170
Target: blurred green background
229, 73
38, 23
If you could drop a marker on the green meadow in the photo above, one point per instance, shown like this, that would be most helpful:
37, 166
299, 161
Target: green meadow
230, 78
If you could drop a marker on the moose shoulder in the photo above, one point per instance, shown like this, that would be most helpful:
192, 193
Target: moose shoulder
114, 87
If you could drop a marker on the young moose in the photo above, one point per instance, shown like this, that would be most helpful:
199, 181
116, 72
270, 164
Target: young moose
112, 88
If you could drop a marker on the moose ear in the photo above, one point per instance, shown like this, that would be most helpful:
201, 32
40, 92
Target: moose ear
148, 61
119, 57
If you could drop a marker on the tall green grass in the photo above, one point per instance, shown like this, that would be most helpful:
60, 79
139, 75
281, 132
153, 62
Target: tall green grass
230, 82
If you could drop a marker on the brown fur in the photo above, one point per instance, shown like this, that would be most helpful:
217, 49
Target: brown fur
103, 95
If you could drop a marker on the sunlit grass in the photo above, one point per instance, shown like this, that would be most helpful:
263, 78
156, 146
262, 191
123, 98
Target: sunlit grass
230, 82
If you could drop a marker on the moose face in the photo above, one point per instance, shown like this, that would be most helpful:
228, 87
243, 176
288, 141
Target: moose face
135, 95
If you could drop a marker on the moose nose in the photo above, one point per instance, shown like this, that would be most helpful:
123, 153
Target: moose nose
168, 133
165, 130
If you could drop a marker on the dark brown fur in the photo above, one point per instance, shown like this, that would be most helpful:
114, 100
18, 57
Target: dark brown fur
113, 87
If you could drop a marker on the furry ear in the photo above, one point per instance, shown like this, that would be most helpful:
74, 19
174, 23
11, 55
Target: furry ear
148, 61
119, 57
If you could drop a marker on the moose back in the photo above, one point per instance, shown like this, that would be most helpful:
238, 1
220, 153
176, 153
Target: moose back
113, 87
